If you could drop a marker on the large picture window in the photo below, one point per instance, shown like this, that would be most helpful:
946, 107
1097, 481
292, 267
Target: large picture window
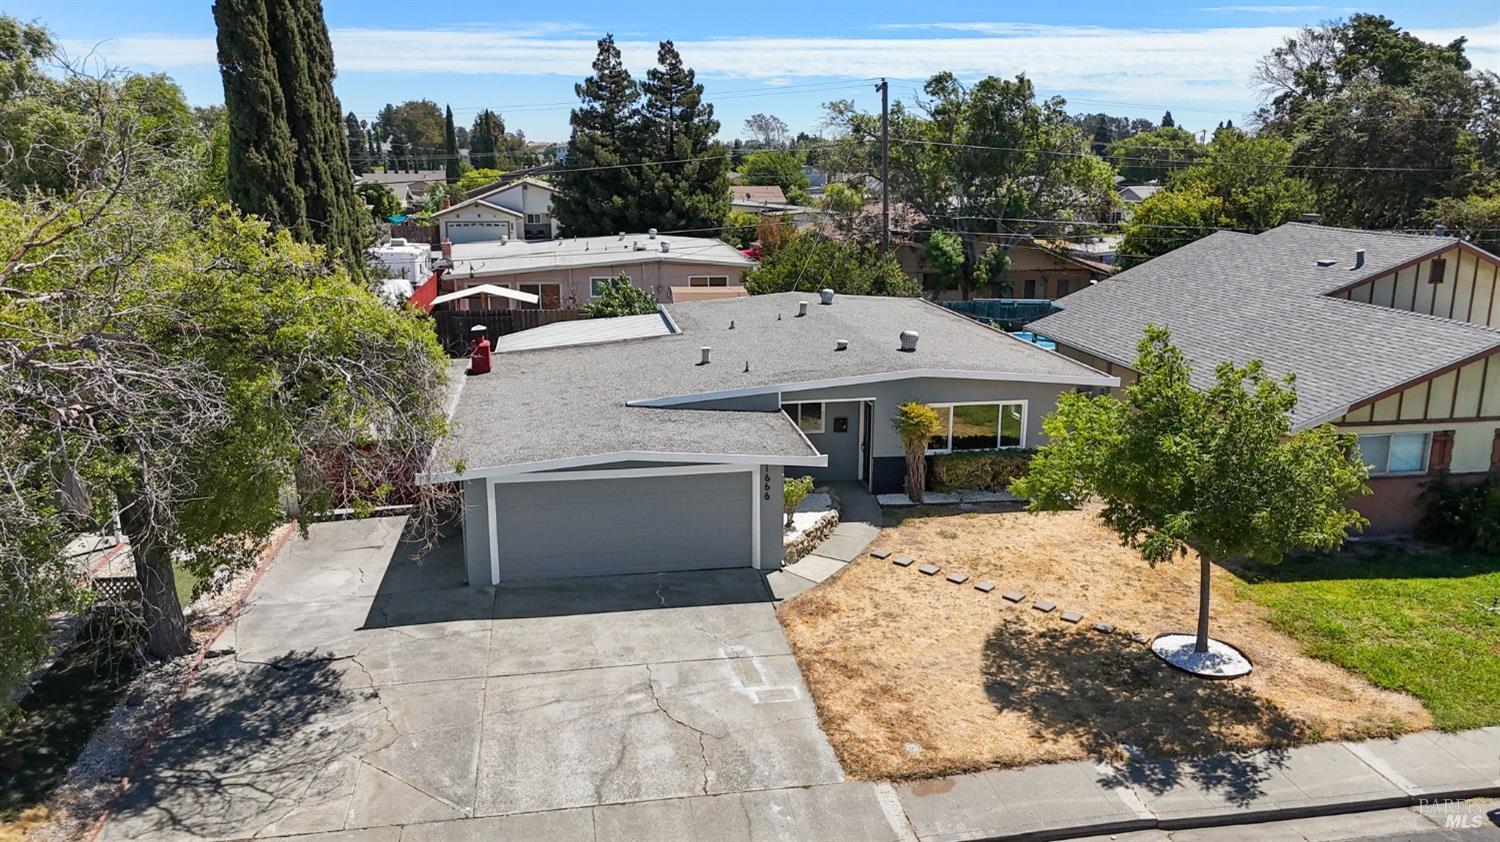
1395, 453
807, 416
978, 426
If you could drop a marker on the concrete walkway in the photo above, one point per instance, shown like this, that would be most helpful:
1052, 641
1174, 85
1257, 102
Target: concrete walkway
859, 523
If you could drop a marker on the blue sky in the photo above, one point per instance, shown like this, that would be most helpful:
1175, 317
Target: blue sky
783, 58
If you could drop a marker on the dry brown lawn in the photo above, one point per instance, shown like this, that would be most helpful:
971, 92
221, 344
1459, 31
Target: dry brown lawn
914, 676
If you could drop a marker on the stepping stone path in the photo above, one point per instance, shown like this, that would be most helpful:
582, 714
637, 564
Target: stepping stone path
958, 578
1138, 637
881, 554
903, 561
1012, 596
1106, 628
1070, 616
930, 569
985, 587
1044, 606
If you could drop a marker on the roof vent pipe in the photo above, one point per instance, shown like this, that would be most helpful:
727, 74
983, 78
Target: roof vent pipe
841, 345
651, 232
665, 246
1439, 231
801, 309
826, 295
908, 340
1359, 260
622, 236
707, 354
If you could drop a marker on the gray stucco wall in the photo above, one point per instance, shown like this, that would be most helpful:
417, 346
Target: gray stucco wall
771, 515
476, 533
842, 449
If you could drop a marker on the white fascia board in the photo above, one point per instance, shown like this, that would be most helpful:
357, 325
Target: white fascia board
814, 460
884, 377
624, 473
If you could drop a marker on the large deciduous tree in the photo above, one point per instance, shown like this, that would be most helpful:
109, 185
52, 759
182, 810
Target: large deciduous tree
1216, 469
288, 150
1155, 154
810, 261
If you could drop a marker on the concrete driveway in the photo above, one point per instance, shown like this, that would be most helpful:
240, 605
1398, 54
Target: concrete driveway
369, 689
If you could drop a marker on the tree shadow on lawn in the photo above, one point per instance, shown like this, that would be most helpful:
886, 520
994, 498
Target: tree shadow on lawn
1161, 727
247, 747
1372, 560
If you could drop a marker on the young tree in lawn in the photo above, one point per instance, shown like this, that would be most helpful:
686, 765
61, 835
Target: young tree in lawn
1218, 470
916, 423
793, 491
591, 201
450, 147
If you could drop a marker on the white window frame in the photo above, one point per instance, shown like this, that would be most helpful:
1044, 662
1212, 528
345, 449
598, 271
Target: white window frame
948, 407
1386, 471
797, 418
708, 280
592, 293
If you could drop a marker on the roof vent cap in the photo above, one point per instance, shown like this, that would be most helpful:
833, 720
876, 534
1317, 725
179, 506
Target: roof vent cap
801, 309
1311, 218
909, 340
707, 355
1325, 263
665, 246
841, 345
1439, 231
1359, 260
622, 236
826, 295
651, 232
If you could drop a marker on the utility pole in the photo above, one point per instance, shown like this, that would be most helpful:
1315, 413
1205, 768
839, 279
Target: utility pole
885, 165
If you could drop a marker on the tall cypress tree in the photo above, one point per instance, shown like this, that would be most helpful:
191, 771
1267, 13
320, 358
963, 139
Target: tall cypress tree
593, 201
690, 188
277, 64
450, 147
359, 157
485, 139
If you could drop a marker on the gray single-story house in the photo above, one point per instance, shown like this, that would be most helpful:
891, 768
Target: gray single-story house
659, 442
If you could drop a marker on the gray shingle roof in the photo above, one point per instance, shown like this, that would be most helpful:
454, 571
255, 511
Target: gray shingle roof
584, 400
1237, 297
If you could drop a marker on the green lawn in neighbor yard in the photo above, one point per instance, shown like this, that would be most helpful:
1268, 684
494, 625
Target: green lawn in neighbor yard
1404, 619
186, 582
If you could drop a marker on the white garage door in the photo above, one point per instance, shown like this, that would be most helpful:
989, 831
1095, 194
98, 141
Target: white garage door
477, 232
599, 527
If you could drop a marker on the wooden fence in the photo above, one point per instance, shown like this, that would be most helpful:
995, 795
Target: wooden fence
453, 325
413, 232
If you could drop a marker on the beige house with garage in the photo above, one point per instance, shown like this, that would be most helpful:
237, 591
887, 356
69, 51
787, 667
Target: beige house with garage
1392, 337
513, 210
568, 273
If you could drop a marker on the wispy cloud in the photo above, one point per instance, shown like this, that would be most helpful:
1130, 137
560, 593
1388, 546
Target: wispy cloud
1265, 10
1206, 65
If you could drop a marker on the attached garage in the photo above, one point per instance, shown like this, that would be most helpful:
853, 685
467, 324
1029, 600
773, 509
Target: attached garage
597, 523
476, 232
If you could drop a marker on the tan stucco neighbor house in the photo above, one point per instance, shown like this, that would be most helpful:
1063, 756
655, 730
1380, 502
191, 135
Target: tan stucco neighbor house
1391, 336
508, 210
567, 273
659, 442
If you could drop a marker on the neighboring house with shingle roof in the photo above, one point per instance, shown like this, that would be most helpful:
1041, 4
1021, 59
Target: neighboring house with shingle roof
633, 446
1391, 336
410, 186
509, 209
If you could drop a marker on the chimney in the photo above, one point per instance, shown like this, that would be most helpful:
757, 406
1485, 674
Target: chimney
1359, 260
707, 353
801, 309
908, 340
1439, 231
826, 295
651, 232
841, 345
447, 249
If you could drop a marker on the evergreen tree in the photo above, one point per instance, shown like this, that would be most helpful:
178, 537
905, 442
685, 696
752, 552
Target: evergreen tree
484, 139
450, 147
593, 201
1167, 122
677, 126
288, 157
359, 157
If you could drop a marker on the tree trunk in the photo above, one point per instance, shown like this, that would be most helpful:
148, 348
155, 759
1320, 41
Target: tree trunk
1202, 643
916, 471
166, 630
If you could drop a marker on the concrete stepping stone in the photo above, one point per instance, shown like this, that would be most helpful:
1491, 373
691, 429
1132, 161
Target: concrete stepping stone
930, 569
1138, 637
903, 561
984, 587
1012, 596
958, 578
880, 554
1044, 606
1070, 616
1106, 628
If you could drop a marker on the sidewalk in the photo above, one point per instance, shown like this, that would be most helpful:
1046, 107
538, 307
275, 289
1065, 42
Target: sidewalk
859, 523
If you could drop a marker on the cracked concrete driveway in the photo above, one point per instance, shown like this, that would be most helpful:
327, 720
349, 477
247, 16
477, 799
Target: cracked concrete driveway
370, 689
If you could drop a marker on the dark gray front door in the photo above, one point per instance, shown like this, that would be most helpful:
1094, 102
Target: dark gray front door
598, 527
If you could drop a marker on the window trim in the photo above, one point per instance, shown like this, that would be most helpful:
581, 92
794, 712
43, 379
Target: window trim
1020, 445
592, 279
1386, 472
797, 419
708, 281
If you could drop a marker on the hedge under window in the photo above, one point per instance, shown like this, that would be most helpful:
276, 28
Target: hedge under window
978, 426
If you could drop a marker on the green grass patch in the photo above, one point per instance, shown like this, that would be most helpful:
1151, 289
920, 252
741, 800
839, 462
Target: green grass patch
187, 584
1408, 621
